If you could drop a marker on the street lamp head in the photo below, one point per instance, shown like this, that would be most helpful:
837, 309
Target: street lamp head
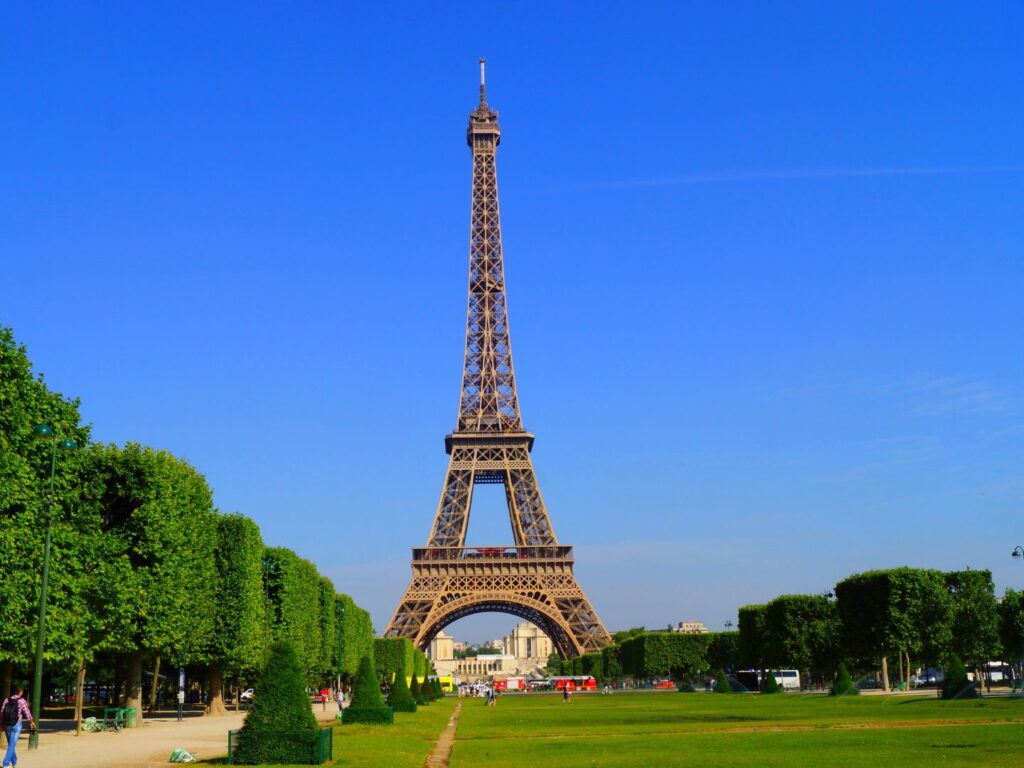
1017, 552
43, 432
68, 444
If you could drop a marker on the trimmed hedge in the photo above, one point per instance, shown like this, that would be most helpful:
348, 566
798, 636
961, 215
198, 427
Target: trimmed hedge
391, 654
280, 728
419, 663
955, 684
844, 685
654, 654
400, 697
367, 701
415, 692
771, 685
722, 682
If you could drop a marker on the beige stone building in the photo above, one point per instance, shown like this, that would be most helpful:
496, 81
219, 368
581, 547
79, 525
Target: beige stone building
691, 627
522, 652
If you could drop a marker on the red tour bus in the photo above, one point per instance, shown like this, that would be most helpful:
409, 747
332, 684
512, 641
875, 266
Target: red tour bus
578, 683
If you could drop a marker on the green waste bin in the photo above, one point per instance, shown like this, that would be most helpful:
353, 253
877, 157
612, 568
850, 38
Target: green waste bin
129, 716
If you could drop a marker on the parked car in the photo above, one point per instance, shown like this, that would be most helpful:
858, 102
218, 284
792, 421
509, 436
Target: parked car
246, 695
664, 684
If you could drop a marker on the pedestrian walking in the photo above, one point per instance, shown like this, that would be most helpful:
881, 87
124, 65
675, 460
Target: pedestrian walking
324, 696
341, 699
13, 712
565, 694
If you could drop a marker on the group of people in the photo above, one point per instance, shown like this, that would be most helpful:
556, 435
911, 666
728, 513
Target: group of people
14, 712
337, 696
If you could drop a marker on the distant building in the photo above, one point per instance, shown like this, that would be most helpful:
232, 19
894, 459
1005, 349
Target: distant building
522, 652
691, 627
526, 642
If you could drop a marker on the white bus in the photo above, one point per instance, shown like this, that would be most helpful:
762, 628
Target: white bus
788, 679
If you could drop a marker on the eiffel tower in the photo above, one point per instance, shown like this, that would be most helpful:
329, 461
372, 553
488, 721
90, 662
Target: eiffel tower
533, 578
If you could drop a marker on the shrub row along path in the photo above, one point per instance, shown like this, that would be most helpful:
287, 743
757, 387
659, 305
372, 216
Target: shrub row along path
145, 747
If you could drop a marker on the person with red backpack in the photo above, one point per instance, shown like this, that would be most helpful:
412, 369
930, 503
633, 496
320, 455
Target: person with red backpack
13, 712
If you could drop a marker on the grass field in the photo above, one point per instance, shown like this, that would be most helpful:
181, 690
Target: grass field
635, 730
646, 729
405, 744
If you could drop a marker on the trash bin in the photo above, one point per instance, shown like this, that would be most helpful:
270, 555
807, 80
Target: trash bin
129, 716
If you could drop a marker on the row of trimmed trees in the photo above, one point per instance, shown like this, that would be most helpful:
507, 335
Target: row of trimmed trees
145, 573
406, 673
889, 620
642, 655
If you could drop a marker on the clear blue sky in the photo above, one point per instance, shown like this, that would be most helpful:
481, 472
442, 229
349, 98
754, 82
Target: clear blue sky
765, 267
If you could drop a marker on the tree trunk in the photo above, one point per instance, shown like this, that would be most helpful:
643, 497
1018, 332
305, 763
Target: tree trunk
5, 679
885, 674
156, 682
79, 696
133, 687
900, 657
908, 670
216, 707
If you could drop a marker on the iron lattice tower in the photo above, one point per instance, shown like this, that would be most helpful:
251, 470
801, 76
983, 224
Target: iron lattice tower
534, 578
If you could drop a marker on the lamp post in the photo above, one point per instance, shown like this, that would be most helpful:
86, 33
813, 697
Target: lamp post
44, 432
1018, 552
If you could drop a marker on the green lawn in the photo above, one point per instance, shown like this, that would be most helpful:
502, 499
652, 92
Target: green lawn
718, 730
635, 730
405, 744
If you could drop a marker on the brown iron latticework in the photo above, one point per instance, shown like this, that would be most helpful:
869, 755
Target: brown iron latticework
532, 579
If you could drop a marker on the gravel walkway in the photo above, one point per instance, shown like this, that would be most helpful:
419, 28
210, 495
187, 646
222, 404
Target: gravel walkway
145, 747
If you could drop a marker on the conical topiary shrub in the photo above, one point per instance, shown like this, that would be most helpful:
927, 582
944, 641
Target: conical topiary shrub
438, 690
955, 684
771, 685
844, 685
280, 727
722, 682
415, 692
367, 701
400, 698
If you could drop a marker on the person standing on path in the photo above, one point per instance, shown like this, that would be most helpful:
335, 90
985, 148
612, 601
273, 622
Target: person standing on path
565, 694
13, 712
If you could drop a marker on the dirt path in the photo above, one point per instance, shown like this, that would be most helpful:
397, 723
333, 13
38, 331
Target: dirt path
443, 751
145, 747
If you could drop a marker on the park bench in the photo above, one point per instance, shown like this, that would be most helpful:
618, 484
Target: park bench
118, 717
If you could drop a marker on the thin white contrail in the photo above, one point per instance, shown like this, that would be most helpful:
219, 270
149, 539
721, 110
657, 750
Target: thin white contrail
725, 177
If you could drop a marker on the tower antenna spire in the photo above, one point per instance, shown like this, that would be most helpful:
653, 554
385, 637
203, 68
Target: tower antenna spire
483, 90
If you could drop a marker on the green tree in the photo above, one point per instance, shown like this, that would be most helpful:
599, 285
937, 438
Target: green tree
400, 697
1011, 627
955, 684
724, 650
295, 590
611, 665
159, 511
753, 643
895, 612
844, 685
415, 692
656, 654
237, 643
721, 681
771, 685
367, 701
26, 402
975, 619
802, 632
392, 655
354, 638
280, 727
